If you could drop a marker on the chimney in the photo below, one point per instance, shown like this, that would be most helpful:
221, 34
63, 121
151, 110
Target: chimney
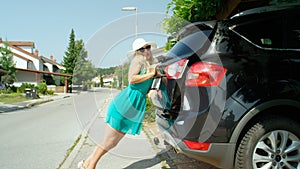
36, 53
0, 40
51, 58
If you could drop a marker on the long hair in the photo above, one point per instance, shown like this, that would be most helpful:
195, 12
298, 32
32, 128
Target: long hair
143, 60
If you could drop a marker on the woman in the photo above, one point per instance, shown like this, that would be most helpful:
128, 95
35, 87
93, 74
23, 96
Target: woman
126, 111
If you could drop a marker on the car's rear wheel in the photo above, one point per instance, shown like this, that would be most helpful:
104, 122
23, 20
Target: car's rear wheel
272, 143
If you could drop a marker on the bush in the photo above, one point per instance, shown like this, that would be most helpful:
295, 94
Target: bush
9, 90
2, 91
14, 89
24, 86
42, 87
50, 92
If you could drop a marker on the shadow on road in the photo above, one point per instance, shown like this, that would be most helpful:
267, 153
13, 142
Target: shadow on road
148, 163
10, 108
170, 159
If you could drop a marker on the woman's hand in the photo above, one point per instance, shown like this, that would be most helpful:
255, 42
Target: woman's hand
152, 69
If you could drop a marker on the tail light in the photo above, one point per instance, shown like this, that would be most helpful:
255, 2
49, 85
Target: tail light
175, 70
203, 146
205, 74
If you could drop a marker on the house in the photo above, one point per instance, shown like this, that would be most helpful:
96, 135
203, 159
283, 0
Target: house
96, 80
32, 68
108, 80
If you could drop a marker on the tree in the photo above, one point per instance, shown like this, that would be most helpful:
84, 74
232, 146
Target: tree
84, 70
188, 11
101, 81
122, 74
106, 71
76, 63
71, 56
7, 64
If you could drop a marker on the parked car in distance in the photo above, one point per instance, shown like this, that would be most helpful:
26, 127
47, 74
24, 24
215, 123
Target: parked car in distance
2, 86
229, 93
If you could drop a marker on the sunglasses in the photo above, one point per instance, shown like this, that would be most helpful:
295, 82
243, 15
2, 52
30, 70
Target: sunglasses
144, 48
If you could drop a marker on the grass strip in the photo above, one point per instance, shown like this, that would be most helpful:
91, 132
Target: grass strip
69, 151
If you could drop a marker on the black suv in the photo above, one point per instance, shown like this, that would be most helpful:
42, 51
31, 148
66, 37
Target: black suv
229, 93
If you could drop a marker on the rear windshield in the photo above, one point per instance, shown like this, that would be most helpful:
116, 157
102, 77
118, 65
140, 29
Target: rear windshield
189, 44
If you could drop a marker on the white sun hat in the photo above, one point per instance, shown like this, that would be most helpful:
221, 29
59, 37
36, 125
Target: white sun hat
139, 43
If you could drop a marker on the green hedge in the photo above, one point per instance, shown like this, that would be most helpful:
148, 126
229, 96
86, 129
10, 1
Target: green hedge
24, 86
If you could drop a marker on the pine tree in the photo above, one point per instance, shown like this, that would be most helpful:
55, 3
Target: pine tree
70, 57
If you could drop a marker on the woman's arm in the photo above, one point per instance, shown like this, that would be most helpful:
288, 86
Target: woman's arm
141, 78
134, 70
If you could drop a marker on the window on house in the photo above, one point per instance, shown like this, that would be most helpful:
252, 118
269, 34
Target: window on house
45, 68
30, 65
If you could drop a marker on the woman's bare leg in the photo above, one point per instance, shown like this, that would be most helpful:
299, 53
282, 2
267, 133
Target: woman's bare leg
111, 139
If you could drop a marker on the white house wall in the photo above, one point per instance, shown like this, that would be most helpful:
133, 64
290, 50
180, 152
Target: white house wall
108, 80
27, 48
35, 61
20, 63
49, 66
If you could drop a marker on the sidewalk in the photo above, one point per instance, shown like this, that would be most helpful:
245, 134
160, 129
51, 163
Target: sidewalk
4, 108
133, 152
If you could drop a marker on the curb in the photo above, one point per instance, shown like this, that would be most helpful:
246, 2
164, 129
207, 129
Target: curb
37, 102
6, 108
69, 158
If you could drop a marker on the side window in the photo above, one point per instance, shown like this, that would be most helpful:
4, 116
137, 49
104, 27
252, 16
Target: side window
293, 30
263, 31
30, 65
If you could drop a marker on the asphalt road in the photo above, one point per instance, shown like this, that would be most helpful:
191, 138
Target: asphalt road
38, 137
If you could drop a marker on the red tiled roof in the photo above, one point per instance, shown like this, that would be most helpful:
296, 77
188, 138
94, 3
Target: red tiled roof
19, 56
108, 76
50, 61
24, 51
19, 43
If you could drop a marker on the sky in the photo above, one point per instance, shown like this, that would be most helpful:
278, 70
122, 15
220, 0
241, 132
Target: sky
106, 30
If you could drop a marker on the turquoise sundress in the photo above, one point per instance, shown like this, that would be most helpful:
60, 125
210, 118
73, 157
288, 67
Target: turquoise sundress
126, 111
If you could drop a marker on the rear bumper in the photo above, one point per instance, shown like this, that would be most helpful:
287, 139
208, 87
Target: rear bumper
219, 154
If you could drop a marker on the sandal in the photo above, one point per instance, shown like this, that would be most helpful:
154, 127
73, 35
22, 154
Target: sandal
81, 165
